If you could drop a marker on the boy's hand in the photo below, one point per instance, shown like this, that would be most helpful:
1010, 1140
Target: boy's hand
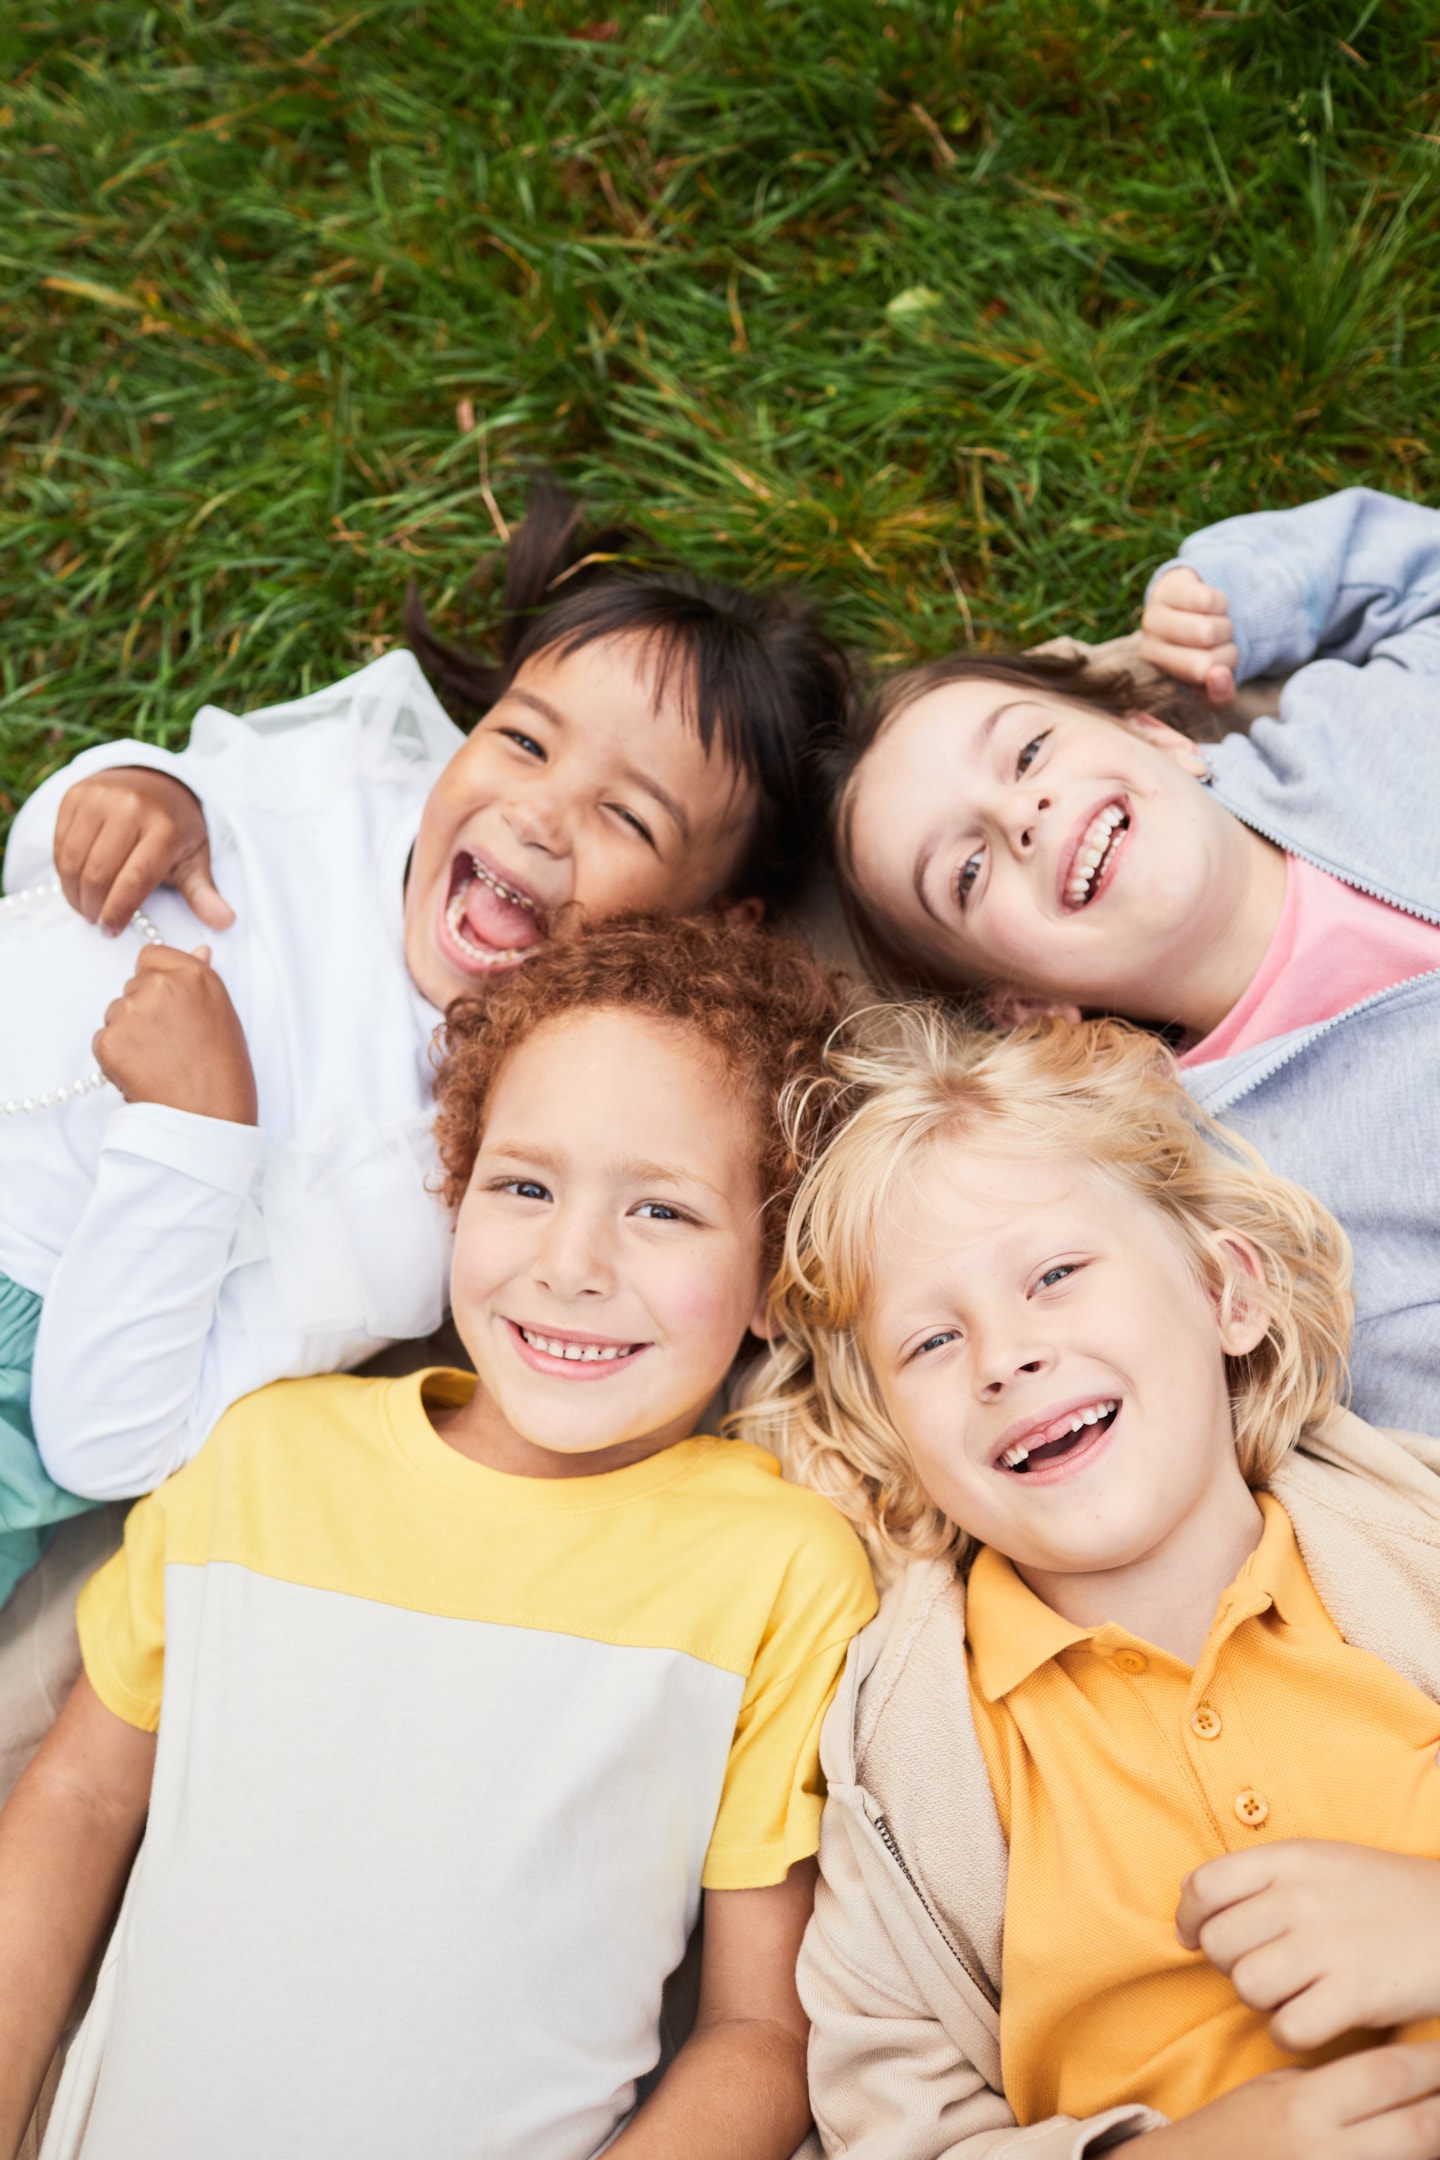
1186, 630
123, 832
1379, 2105
1331, 1938
173, 1036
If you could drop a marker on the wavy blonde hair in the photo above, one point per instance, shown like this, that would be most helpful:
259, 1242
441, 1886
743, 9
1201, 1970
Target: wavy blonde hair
901, 1077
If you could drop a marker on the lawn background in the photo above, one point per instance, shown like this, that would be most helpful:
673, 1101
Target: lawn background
963, 314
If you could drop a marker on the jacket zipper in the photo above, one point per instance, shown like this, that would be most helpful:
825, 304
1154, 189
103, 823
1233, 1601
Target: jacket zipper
1323, 1028
1267, 832
887, 1839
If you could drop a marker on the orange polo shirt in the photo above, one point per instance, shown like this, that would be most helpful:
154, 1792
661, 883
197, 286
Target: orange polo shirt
1117, 1769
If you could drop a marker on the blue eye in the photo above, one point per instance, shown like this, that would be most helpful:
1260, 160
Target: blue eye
933, 1342
1056, 1274
658, 1211
1028, 755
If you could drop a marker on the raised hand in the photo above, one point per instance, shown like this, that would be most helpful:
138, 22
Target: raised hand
1329, 1938
121, 833
1186, 630
173, 1036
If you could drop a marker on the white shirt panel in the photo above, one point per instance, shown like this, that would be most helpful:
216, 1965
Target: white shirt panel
399, 1809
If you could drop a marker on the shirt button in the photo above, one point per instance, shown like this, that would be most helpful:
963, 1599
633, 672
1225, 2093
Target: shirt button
1251, 1807
1131, 1661
1206, 1722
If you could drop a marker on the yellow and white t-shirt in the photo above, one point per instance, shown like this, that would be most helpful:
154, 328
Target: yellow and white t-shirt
445, 1758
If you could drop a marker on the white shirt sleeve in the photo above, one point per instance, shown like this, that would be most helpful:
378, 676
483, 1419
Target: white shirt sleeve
125, 1383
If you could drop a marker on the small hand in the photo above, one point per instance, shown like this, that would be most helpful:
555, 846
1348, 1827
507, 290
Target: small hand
121, 833
1331, 1938
173, 1036
1186, 630
1383, 2104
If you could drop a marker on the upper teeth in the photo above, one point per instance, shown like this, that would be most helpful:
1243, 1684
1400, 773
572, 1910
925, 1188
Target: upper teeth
1019, 1453
577, 1353
506, 892
1092, 851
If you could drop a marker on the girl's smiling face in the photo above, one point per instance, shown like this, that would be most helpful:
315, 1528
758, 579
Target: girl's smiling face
581, 788
1046, 1349
1022, 841
608, 1249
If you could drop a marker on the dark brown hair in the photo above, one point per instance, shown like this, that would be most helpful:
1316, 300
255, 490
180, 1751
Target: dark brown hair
760, 1000
753, 669
1112, 691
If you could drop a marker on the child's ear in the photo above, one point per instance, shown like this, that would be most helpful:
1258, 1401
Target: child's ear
1161, 736
1245, 1316
762, 1320
1010, 1008
749, 912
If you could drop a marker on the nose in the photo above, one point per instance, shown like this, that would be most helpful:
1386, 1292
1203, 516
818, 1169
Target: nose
536, 814
575, 1258
1001, 1357
1020, 820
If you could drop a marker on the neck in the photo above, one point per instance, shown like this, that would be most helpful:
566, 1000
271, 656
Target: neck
1230, 947
479, 1429
1166, 1596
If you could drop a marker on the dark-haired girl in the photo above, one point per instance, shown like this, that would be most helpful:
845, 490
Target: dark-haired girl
257, 1206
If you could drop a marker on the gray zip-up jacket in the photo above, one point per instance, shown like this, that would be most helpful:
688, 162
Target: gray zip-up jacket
1348, 776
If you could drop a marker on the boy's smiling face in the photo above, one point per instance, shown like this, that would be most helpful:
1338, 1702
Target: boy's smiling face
1046, 1349
1021, 840
608, 1249
579, 789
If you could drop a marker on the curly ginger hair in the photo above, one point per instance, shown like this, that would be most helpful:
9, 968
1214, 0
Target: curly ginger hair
757, 999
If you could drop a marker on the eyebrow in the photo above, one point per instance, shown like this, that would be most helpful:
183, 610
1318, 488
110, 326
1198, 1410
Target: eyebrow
641, 1172
982, 742
675, 809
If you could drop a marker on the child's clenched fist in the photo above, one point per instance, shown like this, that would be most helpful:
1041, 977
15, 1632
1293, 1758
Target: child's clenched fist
173, 1036
1329, 1937
1186, 630
121, 833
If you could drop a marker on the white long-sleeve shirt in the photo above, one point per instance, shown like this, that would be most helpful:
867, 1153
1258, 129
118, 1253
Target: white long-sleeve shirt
184, 1260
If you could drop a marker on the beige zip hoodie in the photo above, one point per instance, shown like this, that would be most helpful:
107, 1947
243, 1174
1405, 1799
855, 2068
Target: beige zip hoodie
900, 1970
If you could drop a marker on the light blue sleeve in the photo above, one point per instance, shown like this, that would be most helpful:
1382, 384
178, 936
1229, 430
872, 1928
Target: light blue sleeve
1354, 577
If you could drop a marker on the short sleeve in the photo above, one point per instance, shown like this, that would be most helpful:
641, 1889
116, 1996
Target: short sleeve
769, 1815
121, 1618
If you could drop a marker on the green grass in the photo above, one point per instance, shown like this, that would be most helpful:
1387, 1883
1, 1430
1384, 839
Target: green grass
963, 314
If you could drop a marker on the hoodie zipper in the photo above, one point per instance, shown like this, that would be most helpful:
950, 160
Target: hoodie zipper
1314, 1035
1371, 892
887, 1839
1403, 907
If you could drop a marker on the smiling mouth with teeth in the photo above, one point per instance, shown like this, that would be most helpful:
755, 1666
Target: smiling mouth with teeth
575, 1353
1053, 1442
470, 873
1101, 843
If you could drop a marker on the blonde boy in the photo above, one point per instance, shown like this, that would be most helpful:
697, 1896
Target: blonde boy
1134, 1806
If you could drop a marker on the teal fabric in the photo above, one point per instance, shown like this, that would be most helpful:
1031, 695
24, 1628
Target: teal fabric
31, 1503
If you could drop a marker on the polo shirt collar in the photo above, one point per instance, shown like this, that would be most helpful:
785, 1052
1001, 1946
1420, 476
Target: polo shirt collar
1011, 1633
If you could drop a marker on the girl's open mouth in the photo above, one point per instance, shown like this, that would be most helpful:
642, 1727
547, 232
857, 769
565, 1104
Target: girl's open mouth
1094, 858
573, 1357
1063, 1443
486, 922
